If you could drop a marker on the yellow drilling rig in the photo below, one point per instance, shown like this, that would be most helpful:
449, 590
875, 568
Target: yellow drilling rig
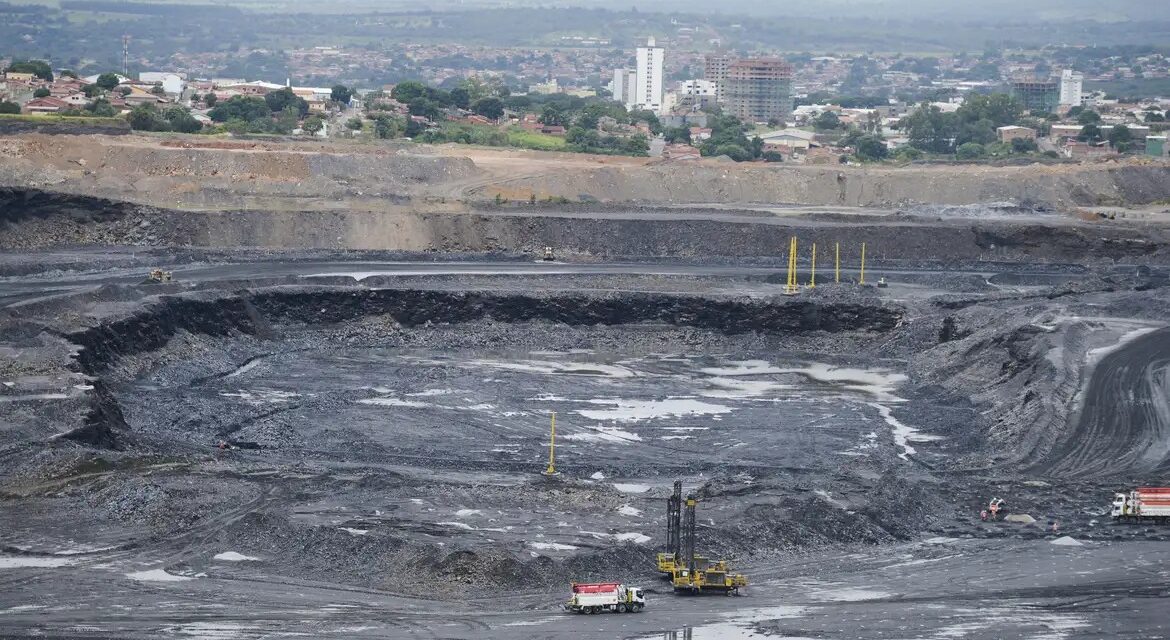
690, 573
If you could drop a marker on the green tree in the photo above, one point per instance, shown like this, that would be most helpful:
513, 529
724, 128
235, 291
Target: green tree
280, 99
460, 98
929, 129
1120, 137
107, 81
286, 120
637, 145
340, 94
244, 108
181, 120
907, 153
553, 116
999, 109
406, 91
970, 151
38, 68
1090, 133
386, 127
677, 135
9, 107
827, 121
649, 118
424, 107
41, 92
210, 99
734, 151
353, 124
92, 90
1154, 116
491, 108
1024, 145
145, 117
313, 125
1088, 116
871, 148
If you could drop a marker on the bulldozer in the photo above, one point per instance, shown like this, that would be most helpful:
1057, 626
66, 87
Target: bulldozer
688, 572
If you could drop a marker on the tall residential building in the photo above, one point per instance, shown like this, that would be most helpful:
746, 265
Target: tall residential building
625, 82
648, 90
715, 70
1071, 84
759, 89
1037, 95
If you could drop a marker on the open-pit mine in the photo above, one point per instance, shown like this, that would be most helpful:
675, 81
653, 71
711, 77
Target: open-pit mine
281, 390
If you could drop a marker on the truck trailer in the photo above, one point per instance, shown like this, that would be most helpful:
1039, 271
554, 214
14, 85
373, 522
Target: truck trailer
1145, 504
605, 597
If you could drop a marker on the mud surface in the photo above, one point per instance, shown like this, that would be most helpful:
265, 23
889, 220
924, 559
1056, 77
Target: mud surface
390, 414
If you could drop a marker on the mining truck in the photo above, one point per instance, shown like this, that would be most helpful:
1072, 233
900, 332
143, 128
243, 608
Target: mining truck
1145, 504
605, 597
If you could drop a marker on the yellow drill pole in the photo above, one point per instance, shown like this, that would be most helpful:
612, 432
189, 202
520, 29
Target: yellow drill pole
862, 263
812, 279
552, 446
792, 287
837, 261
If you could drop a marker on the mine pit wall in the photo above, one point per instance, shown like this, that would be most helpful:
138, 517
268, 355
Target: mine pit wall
1056, 185
39, 219
255, 312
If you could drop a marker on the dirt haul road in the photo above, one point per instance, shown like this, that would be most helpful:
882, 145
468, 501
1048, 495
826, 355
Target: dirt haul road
841, 443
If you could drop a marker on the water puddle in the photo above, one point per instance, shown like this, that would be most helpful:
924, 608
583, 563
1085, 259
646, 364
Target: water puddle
22, 562
232, 556
635, 410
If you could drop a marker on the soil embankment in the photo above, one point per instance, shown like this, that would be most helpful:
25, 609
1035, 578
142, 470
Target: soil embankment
197, 172
40, 219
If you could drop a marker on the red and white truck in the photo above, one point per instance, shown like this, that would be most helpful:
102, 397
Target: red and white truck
1145, 504
601, 597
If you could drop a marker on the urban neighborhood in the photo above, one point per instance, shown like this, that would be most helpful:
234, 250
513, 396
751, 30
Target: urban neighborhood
663, 102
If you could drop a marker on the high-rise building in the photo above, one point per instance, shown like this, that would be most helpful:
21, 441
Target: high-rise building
648, 88
625, 82
1071, 84
715, 70
759, 89
1037, 95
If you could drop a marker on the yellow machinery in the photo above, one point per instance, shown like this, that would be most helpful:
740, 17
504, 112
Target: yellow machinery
698, 575
673, 513
157, 276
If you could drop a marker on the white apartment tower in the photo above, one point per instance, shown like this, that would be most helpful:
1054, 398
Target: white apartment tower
625, 82
648, 87
1071, 83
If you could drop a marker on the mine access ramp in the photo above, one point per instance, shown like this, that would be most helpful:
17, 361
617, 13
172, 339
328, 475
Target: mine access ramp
605, 597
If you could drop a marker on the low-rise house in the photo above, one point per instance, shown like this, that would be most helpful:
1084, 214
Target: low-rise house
785, 140
1009, 133
700, 133
138, 96
45, 105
